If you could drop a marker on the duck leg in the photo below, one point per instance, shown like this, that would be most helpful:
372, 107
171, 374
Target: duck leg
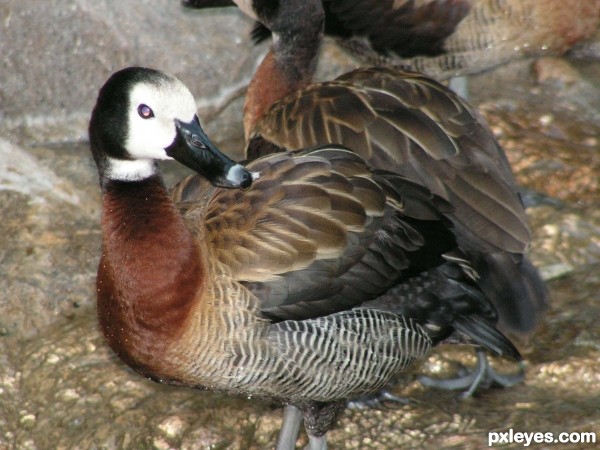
317, 443
292, 419
482, 376
318, 419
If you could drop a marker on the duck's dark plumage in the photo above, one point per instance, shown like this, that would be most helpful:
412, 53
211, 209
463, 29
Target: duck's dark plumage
303, 289
302, 211
447, 38
423, 131
207, 3
406, 29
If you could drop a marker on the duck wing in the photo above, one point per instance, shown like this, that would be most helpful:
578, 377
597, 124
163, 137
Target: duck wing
407, 28
319, 232
418, 128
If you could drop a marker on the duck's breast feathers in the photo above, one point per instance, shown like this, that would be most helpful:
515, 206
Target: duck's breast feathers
320, 232
350, 353
413, 125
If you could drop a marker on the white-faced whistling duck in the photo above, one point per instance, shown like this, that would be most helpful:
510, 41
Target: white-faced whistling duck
305, 277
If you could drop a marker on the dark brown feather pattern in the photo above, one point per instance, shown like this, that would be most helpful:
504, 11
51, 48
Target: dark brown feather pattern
283, 290
406, 27
413, 124
314, 224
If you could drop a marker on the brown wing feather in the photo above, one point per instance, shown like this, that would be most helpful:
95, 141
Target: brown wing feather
406, 27
318, 232
412, 125
299, 210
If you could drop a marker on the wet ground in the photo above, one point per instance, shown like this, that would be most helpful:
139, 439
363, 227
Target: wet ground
60, 387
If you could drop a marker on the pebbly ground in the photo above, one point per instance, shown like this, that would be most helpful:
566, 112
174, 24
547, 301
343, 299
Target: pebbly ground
60, 387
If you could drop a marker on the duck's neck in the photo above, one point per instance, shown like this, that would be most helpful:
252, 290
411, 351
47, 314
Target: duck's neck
150, 273
291, 62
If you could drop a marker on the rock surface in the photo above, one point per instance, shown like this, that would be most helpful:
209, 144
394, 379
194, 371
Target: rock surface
56, 55
60, 387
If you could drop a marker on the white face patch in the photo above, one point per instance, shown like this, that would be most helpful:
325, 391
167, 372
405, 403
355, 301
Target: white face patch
169, 99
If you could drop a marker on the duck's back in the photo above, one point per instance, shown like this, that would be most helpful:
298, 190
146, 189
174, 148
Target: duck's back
412, 125
409, 123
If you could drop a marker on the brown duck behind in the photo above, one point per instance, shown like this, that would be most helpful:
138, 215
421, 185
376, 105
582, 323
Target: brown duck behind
409, 123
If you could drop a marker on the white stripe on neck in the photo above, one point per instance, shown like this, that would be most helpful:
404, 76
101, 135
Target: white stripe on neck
135, 170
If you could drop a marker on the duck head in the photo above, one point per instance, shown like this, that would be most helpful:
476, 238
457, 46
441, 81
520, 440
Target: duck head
143, 115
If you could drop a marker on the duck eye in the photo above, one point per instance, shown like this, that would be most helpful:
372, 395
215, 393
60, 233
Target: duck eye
145, 111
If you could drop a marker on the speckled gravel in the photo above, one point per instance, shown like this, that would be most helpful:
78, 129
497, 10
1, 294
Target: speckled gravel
60, 386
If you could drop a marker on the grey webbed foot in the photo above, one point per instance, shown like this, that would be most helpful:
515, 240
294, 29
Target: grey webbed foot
483, 376
383, 399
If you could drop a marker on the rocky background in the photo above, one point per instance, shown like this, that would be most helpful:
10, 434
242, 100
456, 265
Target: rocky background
59, 385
